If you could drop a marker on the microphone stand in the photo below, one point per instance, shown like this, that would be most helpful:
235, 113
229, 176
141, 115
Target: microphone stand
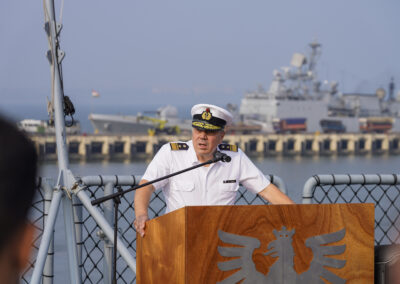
116, 197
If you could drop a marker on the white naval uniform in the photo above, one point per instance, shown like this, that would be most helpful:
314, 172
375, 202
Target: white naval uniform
216, 184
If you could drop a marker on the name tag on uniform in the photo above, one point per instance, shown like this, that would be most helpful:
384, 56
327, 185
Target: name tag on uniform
229, 181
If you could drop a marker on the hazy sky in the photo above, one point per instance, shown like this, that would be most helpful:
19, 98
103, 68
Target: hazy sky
183, 51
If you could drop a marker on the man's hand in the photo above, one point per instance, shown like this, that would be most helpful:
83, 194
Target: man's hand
140, 224
142, 198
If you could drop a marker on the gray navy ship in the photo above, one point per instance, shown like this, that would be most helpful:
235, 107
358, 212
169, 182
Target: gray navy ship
302, 102
165, 121
296, 101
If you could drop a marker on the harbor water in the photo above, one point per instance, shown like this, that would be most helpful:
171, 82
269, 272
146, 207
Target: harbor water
294, 171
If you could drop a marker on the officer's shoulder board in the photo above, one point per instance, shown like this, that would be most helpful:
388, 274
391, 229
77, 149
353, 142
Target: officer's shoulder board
228, 147
178, 146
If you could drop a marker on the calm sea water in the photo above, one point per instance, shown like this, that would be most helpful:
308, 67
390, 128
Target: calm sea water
293, 171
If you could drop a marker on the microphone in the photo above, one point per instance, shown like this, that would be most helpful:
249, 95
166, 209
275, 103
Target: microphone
218, 156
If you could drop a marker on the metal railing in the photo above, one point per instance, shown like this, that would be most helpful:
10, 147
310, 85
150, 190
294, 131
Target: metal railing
38, 217
97, 249
96, 225
382, 190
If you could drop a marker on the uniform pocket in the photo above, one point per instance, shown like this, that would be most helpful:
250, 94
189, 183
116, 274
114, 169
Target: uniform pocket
230, 186
182, 185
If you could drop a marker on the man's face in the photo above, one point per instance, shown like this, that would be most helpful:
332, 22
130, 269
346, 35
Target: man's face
206, 142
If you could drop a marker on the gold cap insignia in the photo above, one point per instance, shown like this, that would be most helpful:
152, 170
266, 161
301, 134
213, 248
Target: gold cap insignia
206, 115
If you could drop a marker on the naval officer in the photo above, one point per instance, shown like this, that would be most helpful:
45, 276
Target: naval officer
213, 184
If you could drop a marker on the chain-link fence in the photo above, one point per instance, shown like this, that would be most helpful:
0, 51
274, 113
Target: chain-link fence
382, 190
97, 249
96, 256
37, 216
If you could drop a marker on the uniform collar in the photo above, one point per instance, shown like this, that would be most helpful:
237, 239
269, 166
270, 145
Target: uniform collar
193, 156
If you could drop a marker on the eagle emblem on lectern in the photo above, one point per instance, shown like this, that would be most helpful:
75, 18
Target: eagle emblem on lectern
282, 270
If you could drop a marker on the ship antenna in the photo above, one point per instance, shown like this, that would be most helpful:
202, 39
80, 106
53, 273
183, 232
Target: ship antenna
391, 89
315, 52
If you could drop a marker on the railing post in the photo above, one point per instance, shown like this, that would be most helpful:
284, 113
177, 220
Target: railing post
108, 246
308, 190
77, 212
48, 270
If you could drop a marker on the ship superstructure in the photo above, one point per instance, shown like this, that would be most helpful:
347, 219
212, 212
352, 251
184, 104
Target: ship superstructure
296, 92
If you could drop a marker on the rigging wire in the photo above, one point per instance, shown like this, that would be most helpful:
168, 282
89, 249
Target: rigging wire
68, 106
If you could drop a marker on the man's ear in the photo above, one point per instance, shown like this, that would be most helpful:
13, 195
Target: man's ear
222, 135
24, 247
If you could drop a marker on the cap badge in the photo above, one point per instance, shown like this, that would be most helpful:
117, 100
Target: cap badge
206, 115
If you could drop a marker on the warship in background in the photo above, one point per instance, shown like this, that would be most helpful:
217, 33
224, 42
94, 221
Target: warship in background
165, 121
297, 101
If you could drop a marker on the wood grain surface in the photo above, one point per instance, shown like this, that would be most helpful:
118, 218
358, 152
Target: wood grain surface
160, 254
181, 247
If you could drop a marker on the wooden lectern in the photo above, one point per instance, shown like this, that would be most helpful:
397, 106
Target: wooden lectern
271, 243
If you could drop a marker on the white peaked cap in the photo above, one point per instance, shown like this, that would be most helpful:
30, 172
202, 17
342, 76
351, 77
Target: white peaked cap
211, 117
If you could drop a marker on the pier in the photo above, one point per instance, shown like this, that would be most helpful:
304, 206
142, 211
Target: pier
114, 147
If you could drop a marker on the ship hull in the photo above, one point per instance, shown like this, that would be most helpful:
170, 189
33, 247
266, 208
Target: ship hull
263, 111
118, 124
129, 124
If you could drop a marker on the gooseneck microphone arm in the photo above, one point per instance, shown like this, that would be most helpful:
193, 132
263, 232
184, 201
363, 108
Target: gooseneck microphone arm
218, 156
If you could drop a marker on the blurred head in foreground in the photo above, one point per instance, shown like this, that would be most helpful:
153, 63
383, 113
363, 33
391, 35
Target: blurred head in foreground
18, 166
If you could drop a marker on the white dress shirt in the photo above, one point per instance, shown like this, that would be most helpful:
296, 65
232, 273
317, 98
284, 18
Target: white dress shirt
216, 184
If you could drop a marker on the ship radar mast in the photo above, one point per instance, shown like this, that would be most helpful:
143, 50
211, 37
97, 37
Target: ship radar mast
391, 90
315, 52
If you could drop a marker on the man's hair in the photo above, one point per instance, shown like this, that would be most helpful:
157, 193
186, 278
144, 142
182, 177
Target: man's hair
18, 166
